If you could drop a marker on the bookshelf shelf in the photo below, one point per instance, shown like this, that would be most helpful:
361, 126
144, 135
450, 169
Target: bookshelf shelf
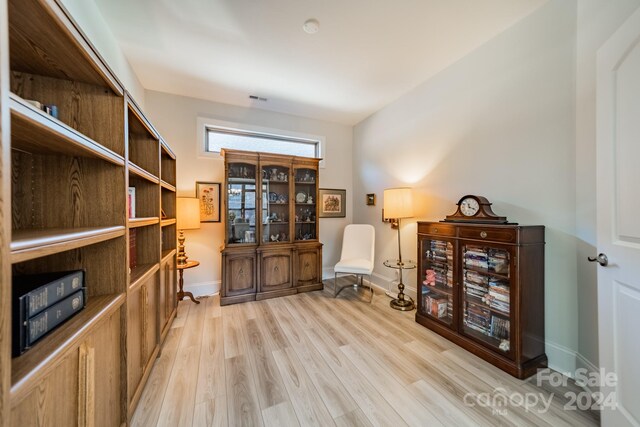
167, 186
141, 173
141, 273
76, 141
166, 255
39, 360
34, 130
168, 221
30, 244
143, 222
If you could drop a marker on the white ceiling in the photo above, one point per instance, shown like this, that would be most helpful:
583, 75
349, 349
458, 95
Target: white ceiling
366, 54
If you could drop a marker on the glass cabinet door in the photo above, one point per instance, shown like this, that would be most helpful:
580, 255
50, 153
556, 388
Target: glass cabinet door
241, 203
275, 204
486, 295
436, 280
305, 199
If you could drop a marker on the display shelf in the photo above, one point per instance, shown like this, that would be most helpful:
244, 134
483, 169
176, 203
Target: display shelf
44, 355
167, 186
143, 222
167, 165
147, 197
478, 301
35, 131
439, 289
263, 257
144, 144
141, 173
168, 221
166, 255
486, 272
45, 40
141, 273
31, 244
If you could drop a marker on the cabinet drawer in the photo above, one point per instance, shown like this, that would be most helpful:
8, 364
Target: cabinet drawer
437, 229
495, 235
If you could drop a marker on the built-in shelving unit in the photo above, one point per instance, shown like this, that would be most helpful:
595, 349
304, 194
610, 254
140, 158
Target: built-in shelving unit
68, 170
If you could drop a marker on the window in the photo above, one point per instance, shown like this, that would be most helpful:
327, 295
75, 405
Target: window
217, 138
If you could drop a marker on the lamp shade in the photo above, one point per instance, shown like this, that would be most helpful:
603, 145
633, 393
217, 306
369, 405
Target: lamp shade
398, 203
188, 217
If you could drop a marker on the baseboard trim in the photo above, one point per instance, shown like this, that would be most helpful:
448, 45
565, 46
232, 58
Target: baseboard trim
204, 288
378, 281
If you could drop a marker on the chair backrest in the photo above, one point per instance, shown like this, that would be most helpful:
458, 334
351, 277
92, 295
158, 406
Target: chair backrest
358, 241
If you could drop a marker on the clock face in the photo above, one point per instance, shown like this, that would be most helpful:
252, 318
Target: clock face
469, 206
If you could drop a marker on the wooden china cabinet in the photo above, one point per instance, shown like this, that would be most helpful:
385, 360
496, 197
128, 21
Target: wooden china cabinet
271, 228
482, 287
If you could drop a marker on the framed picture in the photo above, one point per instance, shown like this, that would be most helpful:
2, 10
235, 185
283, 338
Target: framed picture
333, 203
209, 195
371, 199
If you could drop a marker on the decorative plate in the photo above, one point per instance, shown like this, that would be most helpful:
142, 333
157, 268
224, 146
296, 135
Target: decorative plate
301, 197
273, 197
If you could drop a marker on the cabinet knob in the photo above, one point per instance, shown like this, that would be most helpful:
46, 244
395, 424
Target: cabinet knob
276, 268
241, 272
483, 234
435, 230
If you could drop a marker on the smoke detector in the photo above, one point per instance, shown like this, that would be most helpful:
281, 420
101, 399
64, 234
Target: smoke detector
311, 26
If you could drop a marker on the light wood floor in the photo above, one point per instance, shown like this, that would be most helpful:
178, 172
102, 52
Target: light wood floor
309, 359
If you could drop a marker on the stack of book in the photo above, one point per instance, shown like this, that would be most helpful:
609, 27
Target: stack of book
493, 260
478, 318
41, 302
500, 327
475, 284
499, 295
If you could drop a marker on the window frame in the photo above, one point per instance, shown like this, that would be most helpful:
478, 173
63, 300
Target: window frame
205, 124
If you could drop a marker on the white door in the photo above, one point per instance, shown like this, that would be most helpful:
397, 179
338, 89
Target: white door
618, 192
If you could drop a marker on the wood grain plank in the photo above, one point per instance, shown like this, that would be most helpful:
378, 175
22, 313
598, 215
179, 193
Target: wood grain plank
333, 394
234, 344
211, 413
306, 401
181, 390
378, 411
243, 407
211, 375
355, 418
281, 415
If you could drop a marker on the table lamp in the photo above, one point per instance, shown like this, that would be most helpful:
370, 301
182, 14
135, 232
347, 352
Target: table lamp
398, 204
188, 218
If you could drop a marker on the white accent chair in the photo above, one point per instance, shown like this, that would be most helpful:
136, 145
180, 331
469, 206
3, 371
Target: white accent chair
358, 249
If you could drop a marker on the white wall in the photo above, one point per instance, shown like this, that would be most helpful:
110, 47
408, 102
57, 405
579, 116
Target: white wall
596, 22
498, 123
88, 17
176, 117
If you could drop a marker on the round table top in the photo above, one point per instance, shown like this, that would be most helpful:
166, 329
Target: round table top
189, 264
394, 263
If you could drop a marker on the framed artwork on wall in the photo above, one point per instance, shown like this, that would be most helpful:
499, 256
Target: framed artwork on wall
371, 199
333, 203
209, 195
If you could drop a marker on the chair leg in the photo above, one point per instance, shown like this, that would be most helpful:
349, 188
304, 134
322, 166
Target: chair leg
371, 289
335, 284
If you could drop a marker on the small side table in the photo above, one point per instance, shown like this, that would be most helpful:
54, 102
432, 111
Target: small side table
400, 303
181, 268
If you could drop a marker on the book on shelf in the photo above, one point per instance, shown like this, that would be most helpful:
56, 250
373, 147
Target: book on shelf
27, 332
35, 292
131, 202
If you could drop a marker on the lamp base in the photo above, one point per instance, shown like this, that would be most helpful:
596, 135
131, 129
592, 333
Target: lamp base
402, 304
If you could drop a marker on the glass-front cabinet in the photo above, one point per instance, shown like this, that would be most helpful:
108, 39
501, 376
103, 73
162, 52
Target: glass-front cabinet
482, 286
306, 189
275, 203
486, 293
270, 212
436, 287
241, 203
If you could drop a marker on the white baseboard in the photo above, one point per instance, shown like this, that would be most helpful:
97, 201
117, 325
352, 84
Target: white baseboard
584, 363
203, 288
566, 361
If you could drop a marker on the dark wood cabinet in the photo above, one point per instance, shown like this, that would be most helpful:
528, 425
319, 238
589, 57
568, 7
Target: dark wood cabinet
482, 287
271, 229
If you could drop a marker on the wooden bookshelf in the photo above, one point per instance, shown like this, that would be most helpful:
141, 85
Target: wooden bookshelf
64, 207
